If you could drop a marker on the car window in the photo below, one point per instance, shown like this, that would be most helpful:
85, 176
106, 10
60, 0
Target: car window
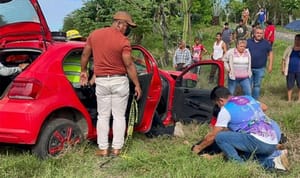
202, 77
14, 58
139, 61
23, 12
72, 67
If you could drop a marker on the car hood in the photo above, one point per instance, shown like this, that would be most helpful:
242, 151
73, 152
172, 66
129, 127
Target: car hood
22, 21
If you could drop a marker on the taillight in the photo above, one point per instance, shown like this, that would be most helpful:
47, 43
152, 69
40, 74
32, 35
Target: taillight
24, 89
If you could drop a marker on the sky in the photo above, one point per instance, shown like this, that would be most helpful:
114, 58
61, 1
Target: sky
55, 11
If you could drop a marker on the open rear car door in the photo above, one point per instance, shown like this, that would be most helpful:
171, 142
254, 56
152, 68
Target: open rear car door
151, 85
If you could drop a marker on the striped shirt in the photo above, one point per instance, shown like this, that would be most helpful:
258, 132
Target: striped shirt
182, 56
241, 63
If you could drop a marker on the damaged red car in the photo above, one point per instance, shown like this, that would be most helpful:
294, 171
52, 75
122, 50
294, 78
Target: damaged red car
43, 106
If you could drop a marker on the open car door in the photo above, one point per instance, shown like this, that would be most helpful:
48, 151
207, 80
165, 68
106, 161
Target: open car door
151, 85
192, 92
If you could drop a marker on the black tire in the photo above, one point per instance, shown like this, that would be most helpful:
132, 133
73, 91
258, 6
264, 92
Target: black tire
56, 137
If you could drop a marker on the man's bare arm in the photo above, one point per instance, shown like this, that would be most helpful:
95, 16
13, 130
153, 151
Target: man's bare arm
208, 139
87, 51
271, 58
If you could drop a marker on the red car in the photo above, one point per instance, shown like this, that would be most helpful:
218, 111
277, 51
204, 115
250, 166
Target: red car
43, 107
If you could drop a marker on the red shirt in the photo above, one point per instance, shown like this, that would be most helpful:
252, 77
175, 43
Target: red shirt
197, 50
108, 45
270, 33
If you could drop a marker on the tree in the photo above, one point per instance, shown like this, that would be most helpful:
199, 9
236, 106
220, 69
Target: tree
186, 8
217, 9
201, 12
227, 11
290, 6
236, 8
149, 15
166, 20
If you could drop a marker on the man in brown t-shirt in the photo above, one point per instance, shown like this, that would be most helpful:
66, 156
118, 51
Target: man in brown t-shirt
111, 50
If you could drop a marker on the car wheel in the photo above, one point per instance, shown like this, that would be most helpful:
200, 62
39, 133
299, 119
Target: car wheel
57, 137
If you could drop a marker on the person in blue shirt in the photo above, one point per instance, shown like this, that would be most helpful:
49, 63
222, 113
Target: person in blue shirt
261, 17
290, 67
260, 51
242, 126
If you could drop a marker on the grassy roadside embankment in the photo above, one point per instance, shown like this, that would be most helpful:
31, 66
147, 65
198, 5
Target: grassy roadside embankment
167, 157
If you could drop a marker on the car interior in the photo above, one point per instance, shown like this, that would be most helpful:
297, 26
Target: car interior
192, 102
86, 94
12, 58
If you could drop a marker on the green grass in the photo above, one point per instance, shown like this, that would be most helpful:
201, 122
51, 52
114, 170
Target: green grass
166, 157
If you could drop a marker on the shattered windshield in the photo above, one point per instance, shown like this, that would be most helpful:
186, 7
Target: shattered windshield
15, 11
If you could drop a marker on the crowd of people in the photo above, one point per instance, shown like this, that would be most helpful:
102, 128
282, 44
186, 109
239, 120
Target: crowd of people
247, 56
247, 53
241, 128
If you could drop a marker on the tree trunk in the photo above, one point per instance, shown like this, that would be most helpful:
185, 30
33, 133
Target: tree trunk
215, 20
164, 28
186, 22
275, 18
290, 18
227, 17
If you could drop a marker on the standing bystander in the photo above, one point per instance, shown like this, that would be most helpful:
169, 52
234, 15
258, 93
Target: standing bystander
197, 50
219, 49
241, 31
245, 15
260, 50
254, 26
270, 32
262, 17
182, 57
227, 35
237, 62
111, 50
290, 67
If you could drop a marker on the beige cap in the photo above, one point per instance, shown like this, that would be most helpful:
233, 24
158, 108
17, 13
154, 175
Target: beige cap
122, 15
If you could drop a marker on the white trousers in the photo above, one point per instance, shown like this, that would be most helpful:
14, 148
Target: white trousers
112, 97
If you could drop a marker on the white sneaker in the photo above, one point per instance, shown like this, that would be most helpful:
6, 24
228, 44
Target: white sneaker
281, 161
178, 130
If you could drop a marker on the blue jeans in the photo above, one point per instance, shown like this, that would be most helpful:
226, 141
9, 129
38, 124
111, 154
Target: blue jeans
230, 142
256, 79
245, 83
